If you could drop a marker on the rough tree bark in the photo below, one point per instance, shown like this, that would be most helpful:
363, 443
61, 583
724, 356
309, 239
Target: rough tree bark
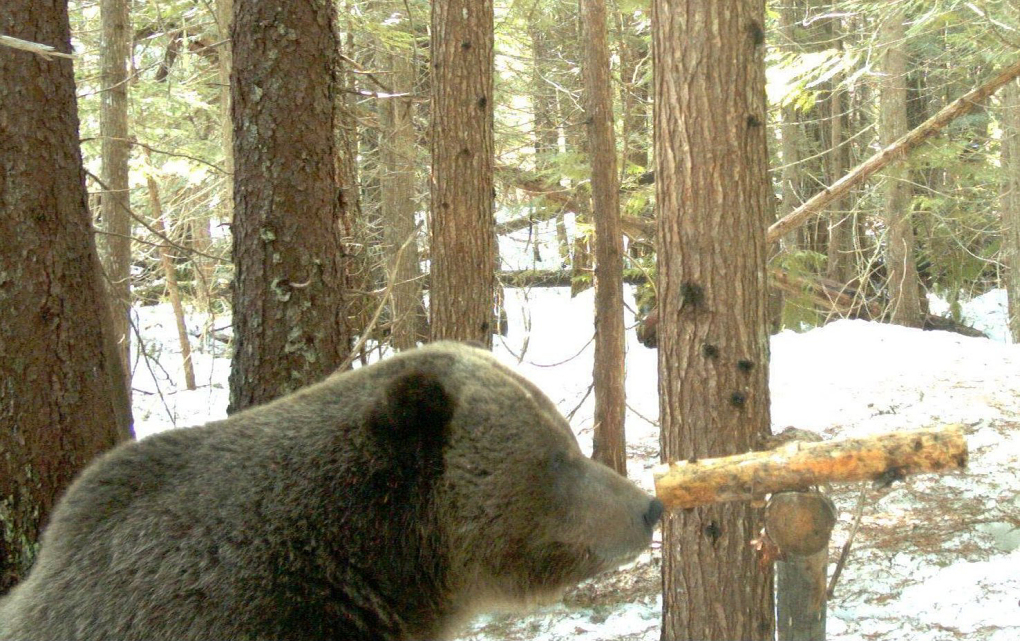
115, 241
461, 216
714, 201
289, 293
610, 348
901, 271
62, 394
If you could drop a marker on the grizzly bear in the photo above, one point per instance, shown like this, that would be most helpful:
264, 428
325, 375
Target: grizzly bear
390, 502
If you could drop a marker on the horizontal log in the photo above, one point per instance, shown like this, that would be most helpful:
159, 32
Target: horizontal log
799, 465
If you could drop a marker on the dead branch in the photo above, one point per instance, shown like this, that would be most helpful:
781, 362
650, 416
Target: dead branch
46, 51
799, 465
898, 150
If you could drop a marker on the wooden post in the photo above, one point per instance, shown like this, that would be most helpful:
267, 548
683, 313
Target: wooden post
800, 523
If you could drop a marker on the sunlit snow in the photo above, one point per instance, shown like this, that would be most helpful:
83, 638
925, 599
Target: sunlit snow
935, 558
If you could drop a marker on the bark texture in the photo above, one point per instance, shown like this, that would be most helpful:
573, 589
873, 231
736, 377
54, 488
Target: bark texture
288, 304
62, 394
463, 246
115, 241
714, 202
610, 349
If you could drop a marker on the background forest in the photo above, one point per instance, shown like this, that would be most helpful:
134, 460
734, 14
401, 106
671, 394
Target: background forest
312, 186
824, 86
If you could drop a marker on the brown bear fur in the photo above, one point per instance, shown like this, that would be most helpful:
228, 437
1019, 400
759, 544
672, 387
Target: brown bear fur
391, 502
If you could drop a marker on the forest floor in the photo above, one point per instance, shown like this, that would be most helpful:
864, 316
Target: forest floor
936, 557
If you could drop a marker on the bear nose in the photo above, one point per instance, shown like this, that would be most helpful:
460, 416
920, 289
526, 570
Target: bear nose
654, 512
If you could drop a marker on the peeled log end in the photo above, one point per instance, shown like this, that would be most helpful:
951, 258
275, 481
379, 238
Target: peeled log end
799, 466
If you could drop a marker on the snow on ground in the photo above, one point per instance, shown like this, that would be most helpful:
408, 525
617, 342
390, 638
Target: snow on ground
987, 313
935, 557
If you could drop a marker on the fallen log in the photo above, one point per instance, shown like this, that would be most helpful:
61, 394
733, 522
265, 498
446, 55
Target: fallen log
800, 465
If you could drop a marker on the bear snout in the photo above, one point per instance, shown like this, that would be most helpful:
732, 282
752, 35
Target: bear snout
654, 513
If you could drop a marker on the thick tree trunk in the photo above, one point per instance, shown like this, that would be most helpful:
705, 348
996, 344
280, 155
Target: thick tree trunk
715, 201
62, 394
397, 178
115, 241
461, 216
610, 350
289, 287
903, 283
1011, 203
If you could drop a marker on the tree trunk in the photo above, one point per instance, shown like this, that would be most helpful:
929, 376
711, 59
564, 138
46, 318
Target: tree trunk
115, 241
840, 265
546, 134
610, 350
566, 35
397, 177
205, 268
289, 296
715, 201
792, 145
633, 52
172, 290
350, 217
1011, 202
904, 287
62, 394
461, 214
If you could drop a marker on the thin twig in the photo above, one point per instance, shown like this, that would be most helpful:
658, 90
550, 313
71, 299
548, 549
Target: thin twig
148, 366
845, 553
641, 416
391, 281
570, 414
163, 152
141, 221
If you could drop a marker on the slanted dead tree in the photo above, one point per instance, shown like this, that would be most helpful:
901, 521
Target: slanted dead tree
897, 151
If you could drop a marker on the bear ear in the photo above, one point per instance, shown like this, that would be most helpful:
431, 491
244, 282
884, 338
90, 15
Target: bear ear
413, 416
